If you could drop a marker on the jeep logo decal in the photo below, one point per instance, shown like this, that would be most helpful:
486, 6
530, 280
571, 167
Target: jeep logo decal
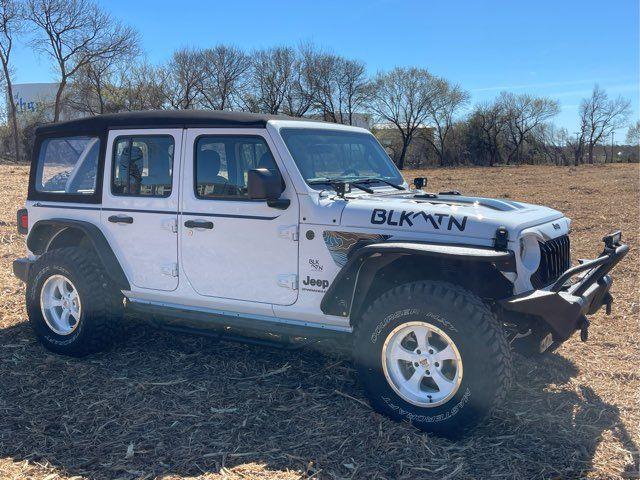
437, 221
316, 282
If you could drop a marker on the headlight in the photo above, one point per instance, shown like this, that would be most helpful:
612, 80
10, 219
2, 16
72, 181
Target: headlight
530, 252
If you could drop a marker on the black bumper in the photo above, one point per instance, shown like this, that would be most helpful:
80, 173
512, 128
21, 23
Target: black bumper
565, 305
21, 268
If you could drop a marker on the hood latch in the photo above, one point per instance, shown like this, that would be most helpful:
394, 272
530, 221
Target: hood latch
502, 238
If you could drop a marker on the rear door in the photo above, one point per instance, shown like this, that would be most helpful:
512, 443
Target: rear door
140, 204
233, 247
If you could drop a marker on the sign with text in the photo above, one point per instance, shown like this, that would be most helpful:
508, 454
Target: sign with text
34, 99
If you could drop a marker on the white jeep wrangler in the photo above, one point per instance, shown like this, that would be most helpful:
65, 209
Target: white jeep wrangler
268, 228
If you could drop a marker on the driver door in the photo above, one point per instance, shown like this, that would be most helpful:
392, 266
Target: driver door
233, 247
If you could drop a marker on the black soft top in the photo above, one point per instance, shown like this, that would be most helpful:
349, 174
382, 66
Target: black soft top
160, 119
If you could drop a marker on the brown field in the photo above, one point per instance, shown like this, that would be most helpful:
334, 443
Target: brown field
172, 406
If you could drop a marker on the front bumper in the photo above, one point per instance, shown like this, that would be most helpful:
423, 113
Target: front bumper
21, 268
564, 306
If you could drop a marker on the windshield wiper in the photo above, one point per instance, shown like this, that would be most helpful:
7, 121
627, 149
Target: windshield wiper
381, 180
336, 181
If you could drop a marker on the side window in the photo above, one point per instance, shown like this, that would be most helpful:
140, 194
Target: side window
222, 163
143, 166
68, 165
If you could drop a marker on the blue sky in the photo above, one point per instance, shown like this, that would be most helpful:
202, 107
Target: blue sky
555, 48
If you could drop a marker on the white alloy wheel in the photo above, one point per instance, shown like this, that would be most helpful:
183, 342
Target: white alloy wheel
60, 305
422, 364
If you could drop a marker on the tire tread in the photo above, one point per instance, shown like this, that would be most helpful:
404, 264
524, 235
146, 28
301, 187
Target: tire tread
483, 319
103, 307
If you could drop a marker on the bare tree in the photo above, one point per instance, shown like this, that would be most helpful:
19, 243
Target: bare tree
401, 97
633, 134
353, 88
182, 77
223, 76
86, 92
326, 92
599, 116
76, 33
457, 147
491, 123
552, 142
141, 87
95, 87
578, 145
340, 87
446, 102
272, 79
299, 98
10, 26
523, 113
125, 86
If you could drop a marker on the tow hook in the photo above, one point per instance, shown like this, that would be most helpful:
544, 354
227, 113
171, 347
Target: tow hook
584, 328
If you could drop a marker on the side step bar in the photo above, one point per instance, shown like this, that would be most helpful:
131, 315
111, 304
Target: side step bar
234, 327
279, 342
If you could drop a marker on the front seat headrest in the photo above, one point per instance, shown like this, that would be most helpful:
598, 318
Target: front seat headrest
208, 165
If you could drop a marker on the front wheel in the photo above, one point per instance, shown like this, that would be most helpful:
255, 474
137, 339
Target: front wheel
433, 354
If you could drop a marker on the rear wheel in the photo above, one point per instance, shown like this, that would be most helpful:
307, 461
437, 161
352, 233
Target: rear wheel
433, 354
60, 304
72, 305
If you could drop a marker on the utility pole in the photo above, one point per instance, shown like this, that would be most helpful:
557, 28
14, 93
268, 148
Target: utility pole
612, 134
578, 148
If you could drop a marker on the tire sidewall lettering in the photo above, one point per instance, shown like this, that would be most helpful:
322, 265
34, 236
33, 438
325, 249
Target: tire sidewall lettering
413, 417
389, 397
390, 318
424, 314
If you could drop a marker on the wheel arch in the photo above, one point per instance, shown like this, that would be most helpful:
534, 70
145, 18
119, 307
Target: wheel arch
47, 235
375, 268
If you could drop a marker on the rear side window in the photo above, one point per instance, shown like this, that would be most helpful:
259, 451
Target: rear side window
143, 166
68, 165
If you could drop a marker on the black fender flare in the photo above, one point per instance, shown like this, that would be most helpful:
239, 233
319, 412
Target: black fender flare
44, 231
338, 299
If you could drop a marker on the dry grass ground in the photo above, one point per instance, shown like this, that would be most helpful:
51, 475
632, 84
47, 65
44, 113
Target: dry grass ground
175, 406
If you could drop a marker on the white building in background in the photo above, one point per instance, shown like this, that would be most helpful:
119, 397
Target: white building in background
362, 120
34, 100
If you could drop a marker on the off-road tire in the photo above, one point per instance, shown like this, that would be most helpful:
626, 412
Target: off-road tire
480, 339
100, 323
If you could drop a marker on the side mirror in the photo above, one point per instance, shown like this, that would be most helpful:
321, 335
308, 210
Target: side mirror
264, 184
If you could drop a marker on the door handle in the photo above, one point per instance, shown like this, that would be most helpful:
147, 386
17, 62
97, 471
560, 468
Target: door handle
120, 219
198, 224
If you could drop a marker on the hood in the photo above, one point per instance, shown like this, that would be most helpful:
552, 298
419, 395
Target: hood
462, 216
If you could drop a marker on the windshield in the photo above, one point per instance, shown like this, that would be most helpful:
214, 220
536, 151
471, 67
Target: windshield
329, 155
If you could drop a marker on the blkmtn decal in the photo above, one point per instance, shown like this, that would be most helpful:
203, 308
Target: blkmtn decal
437, 221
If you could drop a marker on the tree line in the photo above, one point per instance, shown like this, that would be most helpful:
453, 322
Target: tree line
419, 117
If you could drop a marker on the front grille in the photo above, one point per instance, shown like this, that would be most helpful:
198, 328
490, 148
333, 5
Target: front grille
555, 258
